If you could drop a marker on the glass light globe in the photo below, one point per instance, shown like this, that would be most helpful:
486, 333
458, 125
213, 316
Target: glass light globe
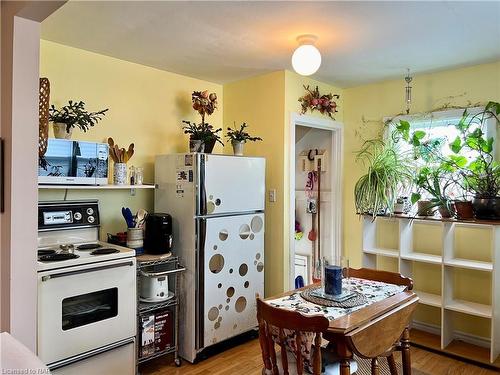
306, 59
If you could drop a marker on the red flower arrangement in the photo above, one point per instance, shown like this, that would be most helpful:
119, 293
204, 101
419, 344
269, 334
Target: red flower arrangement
314, 101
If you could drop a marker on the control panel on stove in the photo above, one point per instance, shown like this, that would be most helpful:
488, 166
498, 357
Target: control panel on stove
63, 214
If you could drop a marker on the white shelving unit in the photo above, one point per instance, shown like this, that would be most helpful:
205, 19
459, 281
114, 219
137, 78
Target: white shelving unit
448, 263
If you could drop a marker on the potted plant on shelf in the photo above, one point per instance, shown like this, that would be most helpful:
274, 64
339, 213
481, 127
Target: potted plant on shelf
389, 173
481, 175
73, 115
435, 181
239, 137
202, 136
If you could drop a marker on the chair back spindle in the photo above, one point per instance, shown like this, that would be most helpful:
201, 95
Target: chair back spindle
272, 319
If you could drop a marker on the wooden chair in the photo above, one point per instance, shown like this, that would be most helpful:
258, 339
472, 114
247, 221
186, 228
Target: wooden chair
284, 363
384, 328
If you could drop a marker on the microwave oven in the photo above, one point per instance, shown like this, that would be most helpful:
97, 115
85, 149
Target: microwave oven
74, 162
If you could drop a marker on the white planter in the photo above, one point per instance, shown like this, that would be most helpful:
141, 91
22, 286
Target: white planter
399, 208
120, 173
60, 130
237, 147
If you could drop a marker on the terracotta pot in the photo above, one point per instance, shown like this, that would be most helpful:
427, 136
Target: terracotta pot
60, 130
424, 208
464, 209
209, 145
444, 212
486, 208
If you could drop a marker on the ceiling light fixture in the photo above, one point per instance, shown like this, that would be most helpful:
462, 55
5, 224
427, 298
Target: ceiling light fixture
306, 59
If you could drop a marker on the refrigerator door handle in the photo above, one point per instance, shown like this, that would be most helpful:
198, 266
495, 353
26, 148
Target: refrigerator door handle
202, 204
200, 278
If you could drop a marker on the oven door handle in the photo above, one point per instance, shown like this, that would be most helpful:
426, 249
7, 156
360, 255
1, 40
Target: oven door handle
91, 353
94, 269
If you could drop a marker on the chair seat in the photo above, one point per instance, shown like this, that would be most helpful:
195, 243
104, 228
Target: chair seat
332, 367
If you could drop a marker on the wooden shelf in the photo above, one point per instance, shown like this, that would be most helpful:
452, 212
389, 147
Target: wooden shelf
391, 253
423, 257
470, 264
429, 299
471, 308
96, 187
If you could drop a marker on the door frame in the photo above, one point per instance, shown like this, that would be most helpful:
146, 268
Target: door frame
336, 168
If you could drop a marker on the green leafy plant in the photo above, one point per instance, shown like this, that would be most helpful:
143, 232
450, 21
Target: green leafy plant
481, 176
389, 173
75, 115
435, 181
240, 135
203, 132
433, 178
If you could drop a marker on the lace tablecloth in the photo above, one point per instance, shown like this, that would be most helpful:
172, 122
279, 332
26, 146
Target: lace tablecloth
373, 290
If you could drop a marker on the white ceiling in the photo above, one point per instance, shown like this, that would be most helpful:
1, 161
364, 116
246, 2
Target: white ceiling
360, 42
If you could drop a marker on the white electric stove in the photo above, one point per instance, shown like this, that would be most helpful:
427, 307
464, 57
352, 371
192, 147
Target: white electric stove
86, 293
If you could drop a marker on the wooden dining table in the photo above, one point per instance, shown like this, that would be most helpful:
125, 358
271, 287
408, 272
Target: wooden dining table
370, 331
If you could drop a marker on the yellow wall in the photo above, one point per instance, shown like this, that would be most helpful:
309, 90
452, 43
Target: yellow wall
146, 107
265, 103
364, 110
260, 102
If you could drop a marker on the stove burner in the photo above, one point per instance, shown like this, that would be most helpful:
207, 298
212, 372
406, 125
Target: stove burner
89, 246
107, 250
58, 257
46, 252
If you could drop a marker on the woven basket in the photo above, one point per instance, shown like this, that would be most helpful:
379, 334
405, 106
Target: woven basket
43, 116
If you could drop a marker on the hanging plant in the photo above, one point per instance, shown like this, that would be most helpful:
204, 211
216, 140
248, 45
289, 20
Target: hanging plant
314, 101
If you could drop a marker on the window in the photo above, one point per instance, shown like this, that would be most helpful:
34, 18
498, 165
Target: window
441, 125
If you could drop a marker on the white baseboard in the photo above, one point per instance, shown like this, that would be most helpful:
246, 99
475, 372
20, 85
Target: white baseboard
457, 335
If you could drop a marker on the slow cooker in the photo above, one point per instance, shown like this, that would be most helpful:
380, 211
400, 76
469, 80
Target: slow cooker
153, 286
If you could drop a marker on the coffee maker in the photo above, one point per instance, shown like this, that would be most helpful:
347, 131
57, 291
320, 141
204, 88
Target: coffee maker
158, 234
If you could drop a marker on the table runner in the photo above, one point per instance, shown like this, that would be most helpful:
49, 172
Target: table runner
373, 290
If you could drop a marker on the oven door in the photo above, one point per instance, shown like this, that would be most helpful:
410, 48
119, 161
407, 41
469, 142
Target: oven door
85, 307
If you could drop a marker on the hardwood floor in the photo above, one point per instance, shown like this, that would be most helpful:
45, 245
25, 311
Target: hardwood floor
246, 359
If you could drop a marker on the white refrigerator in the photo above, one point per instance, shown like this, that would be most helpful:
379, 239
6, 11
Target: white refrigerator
217, 205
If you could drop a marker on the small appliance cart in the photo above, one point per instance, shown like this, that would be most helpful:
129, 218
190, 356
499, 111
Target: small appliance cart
171, 268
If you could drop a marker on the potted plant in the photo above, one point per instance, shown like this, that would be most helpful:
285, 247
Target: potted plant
239, 137
435, 181
481, 175
73, 115
202, 136
389, 172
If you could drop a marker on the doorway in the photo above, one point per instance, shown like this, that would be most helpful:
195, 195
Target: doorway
316, 224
